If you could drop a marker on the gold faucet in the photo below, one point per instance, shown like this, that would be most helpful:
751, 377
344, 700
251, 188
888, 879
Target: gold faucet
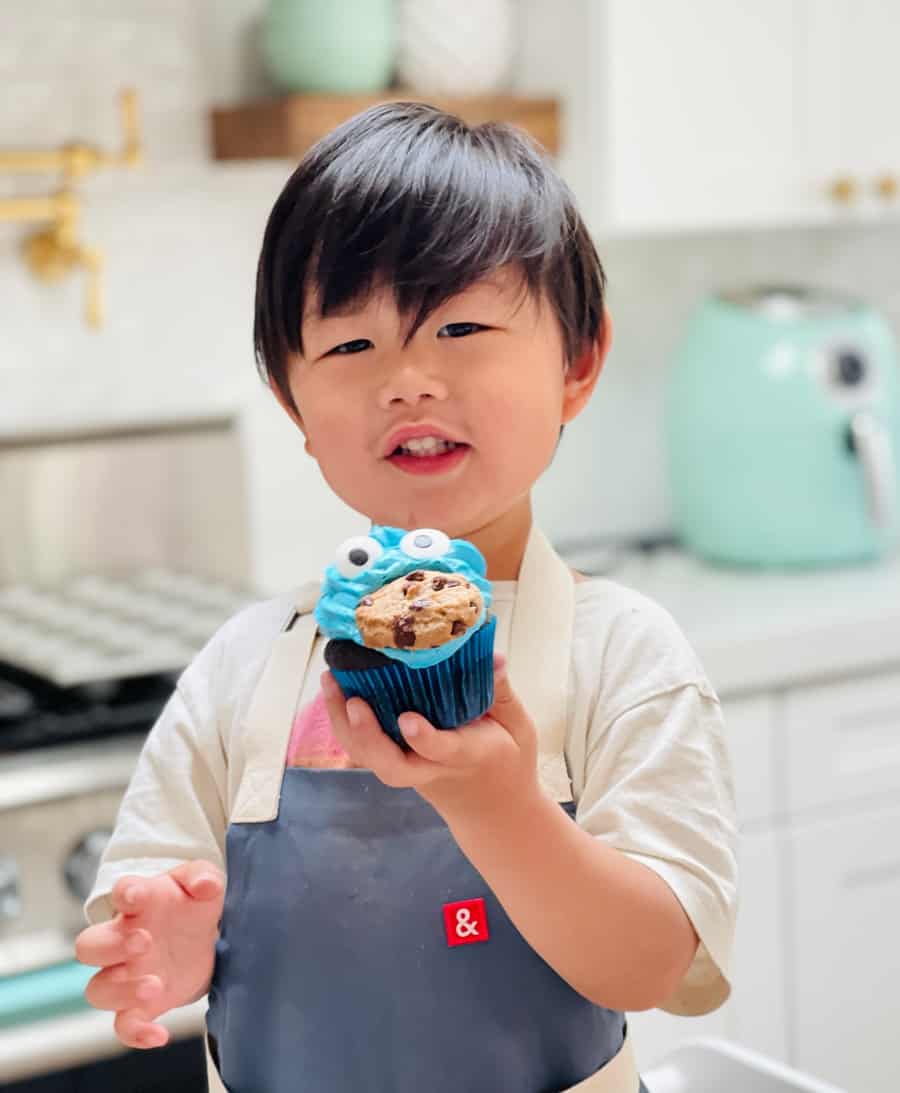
54, 251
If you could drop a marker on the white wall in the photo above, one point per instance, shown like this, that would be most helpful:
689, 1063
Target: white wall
181, 236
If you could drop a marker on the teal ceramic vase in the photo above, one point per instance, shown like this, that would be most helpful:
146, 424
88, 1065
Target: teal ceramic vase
329, 47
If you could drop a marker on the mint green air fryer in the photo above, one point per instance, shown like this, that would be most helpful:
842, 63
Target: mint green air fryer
783, 430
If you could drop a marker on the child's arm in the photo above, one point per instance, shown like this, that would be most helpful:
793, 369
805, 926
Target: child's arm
157, 899
609, 925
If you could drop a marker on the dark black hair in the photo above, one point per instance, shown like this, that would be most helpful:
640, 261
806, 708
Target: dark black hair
411, 197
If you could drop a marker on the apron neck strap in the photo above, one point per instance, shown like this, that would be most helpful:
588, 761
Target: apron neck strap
540, 655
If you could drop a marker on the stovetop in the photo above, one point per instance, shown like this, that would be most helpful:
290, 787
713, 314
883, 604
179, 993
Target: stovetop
97, 656
35, 713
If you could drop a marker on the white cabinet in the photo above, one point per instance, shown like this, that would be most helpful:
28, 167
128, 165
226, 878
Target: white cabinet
842, 742
692, 112
848, 90
846, 910
816, 958
721, 113
757, 1012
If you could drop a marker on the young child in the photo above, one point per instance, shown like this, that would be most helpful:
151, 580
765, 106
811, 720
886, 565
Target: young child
476, 913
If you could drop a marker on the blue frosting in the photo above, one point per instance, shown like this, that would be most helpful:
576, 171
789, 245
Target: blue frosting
340, 595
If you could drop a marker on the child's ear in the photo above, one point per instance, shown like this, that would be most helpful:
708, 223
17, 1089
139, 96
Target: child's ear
583, 373
293, 413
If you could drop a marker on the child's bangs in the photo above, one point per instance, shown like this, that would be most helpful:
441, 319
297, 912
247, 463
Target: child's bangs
429, 226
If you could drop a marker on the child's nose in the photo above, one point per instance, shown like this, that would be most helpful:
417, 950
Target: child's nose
411, 384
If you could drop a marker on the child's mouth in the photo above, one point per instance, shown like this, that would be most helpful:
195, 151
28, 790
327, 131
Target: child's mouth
428, 455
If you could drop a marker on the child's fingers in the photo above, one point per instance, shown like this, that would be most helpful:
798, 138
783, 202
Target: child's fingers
115, 989
356, 728
456, 750
134, 1030
111, 943
102, 944
438, 745
130, 895
200, 879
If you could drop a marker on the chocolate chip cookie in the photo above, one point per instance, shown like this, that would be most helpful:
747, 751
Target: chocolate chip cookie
422, 610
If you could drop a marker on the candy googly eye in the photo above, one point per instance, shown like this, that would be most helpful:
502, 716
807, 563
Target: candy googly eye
425, 543
354, 556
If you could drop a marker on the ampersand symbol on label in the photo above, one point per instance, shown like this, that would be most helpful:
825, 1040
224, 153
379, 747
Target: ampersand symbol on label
465, 927
465, 922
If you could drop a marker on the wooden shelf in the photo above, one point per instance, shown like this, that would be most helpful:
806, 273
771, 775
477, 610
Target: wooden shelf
286, 127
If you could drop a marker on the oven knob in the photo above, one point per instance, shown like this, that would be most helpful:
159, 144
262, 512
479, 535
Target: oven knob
10, 895
81, 866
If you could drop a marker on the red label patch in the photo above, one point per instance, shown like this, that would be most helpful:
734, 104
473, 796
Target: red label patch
466, 922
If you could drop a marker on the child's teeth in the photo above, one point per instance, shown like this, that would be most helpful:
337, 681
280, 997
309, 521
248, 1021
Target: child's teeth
427, 445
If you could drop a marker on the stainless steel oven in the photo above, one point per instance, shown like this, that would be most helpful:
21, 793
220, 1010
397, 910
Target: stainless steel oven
120, 554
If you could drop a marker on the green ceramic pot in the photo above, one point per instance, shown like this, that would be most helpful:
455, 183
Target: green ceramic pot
328, 47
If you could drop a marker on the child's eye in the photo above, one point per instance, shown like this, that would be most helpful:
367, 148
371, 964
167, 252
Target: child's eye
459, 330
356, 346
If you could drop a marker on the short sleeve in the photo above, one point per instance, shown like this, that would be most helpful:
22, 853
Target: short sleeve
658, 787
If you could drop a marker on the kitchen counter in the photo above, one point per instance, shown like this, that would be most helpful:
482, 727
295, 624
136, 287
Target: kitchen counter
44, 1047
756, 629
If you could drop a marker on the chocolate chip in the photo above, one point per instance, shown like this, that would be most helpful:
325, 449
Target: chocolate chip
438, 583
459, 627
404, 634
367, 601
453, 584
472, 603
418, 575
417, 605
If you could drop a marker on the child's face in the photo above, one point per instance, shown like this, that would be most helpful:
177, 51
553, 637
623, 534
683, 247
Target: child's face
486, 372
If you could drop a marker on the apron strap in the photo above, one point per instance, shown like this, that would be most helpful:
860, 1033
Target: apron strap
540, 655
266, 730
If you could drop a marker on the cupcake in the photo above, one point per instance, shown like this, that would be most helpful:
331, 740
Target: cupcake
409, 626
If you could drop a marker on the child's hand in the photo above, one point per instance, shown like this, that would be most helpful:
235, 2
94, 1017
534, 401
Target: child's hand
474, 767
158, 952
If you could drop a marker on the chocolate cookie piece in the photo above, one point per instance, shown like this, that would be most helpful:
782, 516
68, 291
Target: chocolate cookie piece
421, 610
347, 656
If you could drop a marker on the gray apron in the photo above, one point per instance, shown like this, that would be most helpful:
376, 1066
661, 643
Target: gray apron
359, 949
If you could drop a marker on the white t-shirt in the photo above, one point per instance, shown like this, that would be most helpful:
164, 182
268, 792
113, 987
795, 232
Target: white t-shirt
645, 751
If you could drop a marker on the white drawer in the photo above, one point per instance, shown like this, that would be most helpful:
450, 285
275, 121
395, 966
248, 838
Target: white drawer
842, 742
750, 732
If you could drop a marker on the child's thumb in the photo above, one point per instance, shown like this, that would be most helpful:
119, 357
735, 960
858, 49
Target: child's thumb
200, 879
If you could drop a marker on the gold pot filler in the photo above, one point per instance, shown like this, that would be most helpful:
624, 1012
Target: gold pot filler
53, 251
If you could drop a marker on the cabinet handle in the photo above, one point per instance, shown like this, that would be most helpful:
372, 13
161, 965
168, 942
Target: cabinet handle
886, 187
843, 190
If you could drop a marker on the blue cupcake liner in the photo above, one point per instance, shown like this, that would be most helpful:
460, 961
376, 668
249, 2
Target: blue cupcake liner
451, 693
